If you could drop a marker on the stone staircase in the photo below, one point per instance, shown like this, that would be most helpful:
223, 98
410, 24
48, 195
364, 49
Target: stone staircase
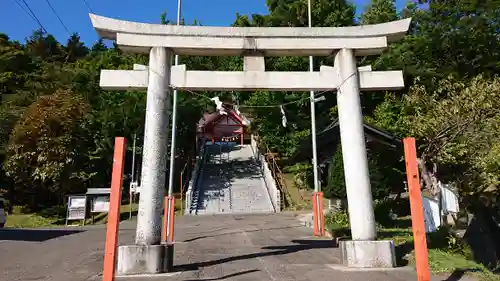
231, 182
249, 194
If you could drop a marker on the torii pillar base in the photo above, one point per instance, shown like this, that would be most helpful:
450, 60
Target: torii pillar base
144, 259
368, 254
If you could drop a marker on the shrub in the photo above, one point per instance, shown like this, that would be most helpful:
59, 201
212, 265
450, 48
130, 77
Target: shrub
58, 211
448, 241
387, 210
338, 223
19, 210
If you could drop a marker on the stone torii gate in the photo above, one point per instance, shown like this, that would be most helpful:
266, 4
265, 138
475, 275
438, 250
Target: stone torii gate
254, 43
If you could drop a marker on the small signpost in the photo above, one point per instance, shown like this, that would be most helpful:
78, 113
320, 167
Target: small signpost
134, 189
77, 208
99, 200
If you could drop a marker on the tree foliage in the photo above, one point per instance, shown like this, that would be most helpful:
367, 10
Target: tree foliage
456, 123
44, 145
57, 125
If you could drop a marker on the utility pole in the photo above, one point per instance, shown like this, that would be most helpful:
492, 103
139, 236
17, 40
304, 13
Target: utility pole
172, 143
318, 204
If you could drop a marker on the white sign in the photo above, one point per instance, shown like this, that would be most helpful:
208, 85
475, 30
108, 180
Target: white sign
134, 187
100, 204
77, 205
77, 202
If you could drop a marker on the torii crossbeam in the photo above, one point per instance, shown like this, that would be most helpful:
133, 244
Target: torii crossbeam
250, 80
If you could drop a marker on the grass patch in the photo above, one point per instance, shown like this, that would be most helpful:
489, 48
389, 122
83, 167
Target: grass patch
30, 221
301, 198
456, 265
44, 219
447, 255
102, 218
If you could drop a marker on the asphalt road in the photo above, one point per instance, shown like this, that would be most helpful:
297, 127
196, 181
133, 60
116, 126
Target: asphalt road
227, 247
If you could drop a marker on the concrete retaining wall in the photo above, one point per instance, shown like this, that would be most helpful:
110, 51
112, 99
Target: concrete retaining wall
270, 183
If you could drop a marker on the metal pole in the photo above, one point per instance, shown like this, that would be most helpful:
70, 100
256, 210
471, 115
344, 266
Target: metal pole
133, 157
133, 177
174, 125
313, 116
317, 188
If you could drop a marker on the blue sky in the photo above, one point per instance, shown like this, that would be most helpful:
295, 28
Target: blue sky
74, 14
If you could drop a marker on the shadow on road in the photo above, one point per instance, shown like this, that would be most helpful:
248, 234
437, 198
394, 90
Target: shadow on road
238, 232
226, 277
458, 273
34, 235
299, 245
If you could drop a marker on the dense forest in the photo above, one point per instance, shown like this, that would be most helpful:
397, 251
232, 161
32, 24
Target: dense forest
57, 127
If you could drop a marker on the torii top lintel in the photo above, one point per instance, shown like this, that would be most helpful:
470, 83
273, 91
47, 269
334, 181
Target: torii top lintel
270, 41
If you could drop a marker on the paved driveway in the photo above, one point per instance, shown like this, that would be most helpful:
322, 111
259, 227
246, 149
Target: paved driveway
225, 247
53, 254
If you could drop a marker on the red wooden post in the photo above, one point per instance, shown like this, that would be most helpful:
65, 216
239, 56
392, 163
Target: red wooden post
182, 191
165, 219
417, 212
171, 208
318, 216
315, 214
114, 210
168, 212
321, 214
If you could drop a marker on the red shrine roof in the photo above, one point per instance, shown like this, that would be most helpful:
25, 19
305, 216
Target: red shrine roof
229, 117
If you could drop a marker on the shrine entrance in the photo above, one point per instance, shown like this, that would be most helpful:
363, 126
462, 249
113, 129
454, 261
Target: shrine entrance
344, 78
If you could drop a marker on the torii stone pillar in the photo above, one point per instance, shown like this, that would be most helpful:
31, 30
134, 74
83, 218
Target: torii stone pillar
148, 255
155, 152
356, 174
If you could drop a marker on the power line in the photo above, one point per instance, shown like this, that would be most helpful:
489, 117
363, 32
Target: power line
263, 106
88, 6
30, 13
24, 9
34, 16
57, 15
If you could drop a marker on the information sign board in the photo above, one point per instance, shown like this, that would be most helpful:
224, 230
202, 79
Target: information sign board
100, 204
77, 205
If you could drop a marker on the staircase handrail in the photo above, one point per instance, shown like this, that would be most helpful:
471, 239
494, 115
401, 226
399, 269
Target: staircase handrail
193, 181
275, 171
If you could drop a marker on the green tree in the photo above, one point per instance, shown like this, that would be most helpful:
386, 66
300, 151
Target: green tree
379, 11
455, 124
449, 37
75, 49
379, 179
43, 149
